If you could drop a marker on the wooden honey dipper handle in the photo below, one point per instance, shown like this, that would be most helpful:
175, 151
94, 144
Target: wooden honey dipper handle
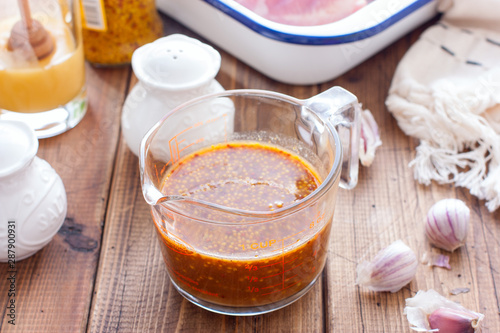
24, 8
30, 31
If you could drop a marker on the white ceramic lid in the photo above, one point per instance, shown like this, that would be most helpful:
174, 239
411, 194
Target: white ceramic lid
176, 62
18, 146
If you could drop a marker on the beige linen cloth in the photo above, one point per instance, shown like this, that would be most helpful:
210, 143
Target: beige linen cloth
446, 93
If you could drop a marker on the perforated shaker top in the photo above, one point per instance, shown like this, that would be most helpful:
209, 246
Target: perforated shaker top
176, 62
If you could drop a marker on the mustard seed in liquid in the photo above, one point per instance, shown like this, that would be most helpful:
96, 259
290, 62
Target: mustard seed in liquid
255, 177
247, 176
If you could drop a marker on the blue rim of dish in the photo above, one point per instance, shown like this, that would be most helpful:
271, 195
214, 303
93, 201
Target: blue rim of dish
316, 40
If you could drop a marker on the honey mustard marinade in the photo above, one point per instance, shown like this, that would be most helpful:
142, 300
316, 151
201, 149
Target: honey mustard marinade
249, 176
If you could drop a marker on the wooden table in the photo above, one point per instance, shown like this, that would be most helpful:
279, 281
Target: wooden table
103, 271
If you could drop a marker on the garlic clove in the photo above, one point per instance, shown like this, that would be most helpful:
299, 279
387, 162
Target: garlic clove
369, 139
447, 224
425, 304
453, 321
390, 270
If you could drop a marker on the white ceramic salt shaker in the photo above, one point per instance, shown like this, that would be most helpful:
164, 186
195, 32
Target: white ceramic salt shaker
32, 195
171, 71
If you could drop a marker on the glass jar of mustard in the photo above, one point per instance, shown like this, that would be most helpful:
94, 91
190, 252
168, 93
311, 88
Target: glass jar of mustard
114, 29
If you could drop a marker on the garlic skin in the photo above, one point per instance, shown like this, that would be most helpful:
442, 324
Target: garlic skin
436, 259
457, 291
390, 270
447, 224
428, 311
369, 139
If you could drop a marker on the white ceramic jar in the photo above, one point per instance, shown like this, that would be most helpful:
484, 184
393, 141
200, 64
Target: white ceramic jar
171, 71
32, 196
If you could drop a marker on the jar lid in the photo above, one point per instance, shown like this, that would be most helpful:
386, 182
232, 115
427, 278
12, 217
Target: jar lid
176, 62
19, 146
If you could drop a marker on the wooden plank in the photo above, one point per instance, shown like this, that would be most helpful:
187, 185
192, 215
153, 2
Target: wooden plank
388, 204
133, 292
365, 217
132, 289
54, 287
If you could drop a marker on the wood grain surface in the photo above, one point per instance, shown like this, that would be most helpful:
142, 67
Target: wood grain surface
103, 271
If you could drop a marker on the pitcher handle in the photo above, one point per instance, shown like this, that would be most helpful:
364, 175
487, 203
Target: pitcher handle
341, 109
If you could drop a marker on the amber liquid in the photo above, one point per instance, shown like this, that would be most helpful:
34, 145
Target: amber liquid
244, 265
41, 85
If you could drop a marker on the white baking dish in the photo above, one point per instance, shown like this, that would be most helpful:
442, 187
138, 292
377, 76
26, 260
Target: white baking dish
300, 54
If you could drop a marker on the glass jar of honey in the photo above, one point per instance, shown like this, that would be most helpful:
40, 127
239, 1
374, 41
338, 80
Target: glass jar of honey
42, 67
114, 29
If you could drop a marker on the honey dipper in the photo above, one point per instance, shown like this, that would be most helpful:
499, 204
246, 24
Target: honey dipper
32, 31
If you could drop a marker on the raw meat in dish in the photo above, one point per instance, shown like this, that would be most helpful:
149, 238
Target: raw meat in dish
303, 12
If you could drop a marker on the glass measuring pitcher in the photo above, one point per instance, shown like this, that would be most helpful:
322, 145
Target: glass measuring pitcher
239, 261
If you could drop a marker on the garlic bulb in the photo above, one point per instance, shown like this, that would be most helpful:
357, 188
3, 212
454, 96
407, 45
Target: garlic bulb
447, 224
390, 270
428, 311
